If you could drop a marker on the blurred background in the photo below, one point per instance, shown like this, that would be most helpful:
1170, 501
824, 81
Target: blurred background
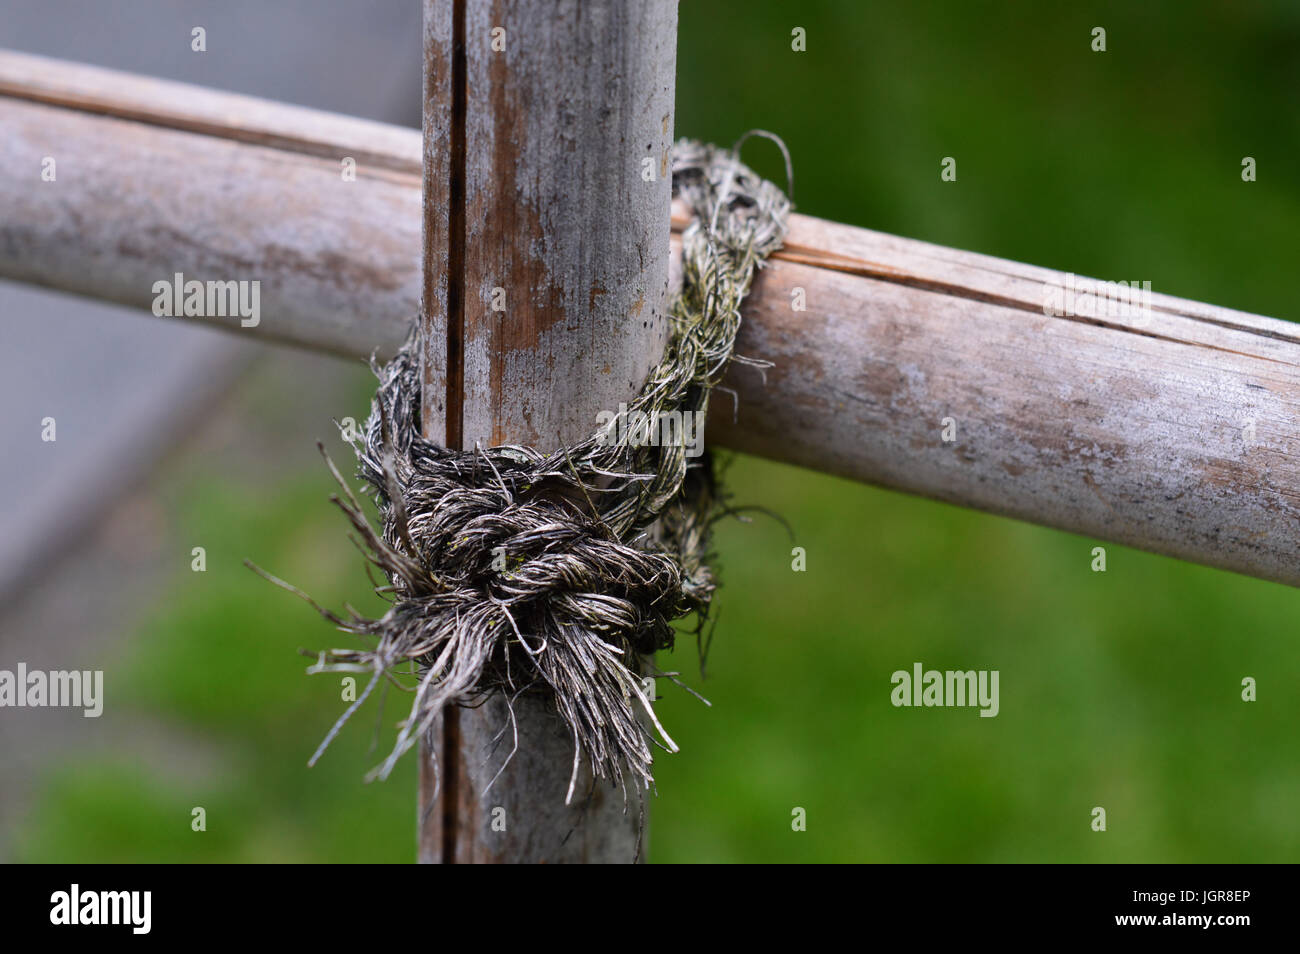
1118, 689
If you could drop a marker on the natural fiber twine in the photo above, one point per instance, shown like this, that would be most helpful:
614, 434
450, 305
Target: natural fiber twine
511, 570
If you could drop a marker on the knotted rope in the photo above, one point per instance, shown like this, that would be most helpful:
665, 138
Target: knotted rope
511, 570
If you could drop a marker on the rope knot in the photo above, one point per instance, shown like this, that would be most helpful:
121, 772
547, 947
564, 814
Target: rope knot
512, 570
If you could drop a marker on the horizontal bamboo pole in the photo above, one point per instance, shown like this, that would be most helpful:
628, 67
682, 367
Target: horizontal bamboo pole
1170, 430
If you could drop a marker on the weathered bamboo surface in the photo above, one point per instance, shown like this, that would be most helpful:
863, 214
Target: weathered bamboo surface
546, 269
140, 195
1171, 431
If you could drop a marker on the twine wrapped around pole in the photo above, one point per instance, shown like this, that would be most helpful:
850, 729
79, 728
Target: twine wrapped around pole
515, 571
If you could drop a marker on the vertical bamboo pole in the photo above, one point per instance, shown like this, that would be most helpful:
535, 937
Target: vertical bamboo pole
547, 130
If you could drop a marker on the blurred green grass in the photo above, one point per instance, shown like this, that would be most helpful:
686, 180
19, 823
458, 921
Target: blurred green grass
220, 658
1119, 689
